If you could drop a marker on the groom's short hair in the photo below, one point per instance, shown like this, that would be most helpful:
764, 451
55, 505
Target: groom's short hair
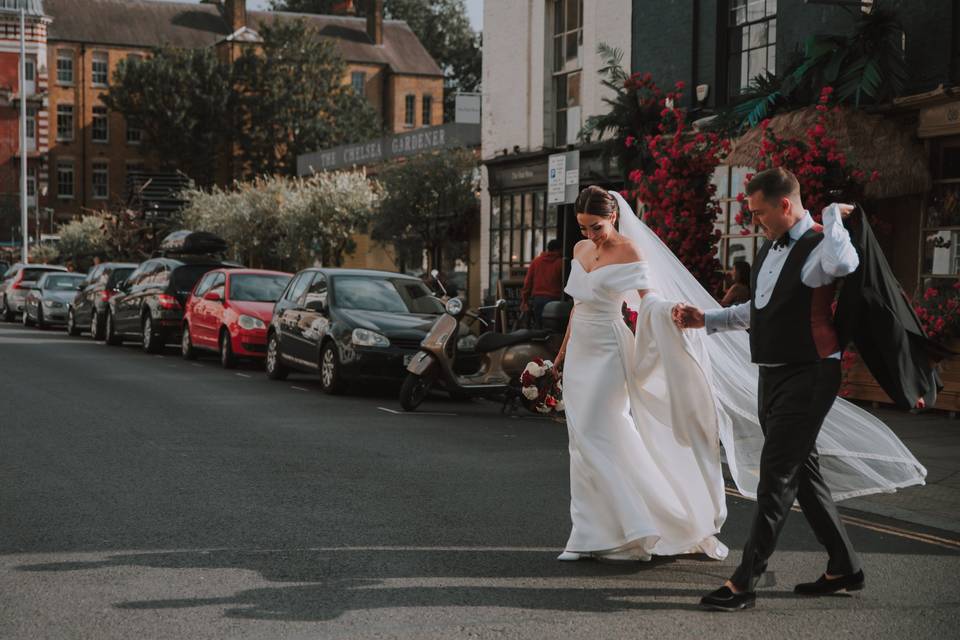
774, 183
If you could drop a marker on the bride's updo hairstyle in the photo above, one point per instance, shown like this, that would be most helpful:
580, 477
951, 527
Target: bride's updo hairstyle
596, 201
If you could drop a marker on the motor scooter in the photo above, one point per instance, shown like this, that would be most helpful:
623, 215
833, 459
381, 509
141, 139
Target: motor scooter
503, 357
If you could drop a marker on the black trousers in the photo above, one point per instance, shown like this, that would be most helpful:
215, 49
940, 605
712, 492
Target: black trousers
793, 401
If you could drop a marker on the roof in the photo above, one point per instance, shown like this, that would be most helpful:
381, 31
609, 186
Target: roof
871, 142
33, 7
145, 23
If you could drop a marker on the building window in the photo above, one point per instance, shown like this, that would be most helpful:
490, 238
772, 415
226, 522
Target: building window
940, 250
31, 128
427, 108
100, 129
751, 42
65, 122
134, 133
100, 68
409, 110
65, 179
567, 63
30, 68
100, 180
65, 66
733, 245
358, 80
521, 225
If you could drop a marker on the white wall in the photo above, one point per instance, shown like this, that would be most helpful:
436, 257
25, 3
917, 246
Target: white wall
515, 34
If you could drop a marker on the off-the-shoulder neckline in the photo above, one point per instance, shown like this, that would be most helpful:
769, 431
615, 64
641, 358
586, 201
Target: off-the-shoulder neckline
609, 264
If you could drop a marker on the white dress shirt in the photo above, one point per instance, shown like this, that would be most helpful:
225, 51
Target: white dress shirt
833, 258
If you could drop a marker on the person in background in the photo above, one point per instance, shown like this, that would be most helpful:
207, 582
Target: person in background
544, 282
739, 290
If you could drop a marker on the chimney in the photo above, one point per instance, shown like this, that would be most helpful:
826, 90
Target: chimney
375, 21
236, 14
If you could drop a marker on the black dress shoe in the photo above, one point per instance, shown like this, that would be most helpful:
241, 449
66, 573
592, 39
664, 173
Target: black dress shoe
824, 587
723, 599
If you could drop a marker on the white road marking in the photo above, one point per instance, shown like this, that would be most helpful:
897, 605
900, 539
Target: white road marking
416, 413
298, 388
243, 375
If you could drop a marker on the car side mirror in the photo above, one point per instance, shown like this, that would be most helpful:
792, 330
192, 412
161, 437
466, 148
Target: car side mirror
121, 286
213, 296
316, 305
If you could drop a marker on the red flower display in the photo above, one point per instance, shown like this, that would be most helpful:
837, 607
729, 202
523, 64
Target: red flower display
675, 191
939, 311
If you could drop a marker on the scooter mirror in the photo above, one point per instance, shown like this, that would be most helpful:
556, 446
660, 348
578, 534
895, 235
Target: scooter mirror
434, 273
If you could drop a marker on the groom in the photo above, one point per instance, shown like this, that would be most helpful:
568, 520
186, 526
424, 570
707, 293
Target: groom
793, 340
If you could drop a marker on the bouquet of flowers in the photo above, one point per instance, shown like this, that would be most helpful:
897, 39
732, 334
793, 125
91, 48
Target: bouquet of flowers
542, 390
629, 317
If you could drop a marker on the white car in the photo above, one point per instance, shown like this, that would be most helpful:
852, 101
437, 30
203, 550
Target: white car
17, 283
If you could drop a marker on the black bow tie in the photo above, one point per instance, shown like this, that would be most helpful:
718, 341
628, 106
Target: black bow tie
782, 241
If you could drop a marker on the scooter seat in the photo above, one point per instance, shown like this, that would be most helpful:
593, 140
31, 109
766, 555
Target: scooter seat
493, 341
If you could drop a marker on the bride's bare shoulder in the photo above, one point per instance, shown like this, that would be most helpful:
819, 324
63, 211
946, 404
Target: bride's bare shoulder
628, 251
581, 246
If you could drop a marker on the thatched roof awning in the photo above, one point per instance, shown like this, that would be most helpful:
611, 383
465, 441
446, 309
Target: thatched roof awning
871, 142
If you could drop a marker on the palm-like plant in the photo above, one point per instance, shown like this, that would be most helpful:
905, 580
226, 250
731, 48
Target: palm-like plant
865, 67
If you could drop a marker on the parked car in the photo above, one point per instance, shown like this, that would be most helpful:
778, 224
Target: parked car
47, 300
17, 283
228, 312
88, 308
149, 304
349, 324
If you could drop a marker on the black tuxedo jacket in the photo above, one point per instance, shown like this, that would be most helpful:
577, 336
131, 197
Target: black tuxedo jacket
874, 313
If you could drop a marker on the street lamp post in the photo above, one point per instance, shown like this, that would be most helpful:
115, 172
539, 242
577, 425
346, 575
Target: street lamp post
24, 250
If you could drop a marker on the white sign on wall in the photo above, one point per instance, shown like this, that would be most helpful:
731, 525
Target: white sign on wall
556, 178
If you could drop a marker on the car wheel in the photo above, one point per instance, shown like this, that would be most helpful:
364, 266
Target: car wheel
41, 324
227, 359
110, 332
7, 313
72, 327
27, 322
272, 365
186, 345
331, 377
96, 327
151, 341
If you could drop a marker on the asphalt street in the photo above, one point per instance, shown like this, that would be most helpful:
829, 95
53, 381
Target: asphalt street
150, 497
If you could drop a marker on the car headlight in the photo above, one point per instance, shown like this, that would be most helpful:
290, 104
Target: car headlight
249, 322
454, 306
367, 338
52, 304
467, 342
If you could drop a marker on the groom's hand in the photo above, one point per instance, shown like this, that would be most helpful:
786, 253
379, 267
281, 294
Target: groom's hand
687, 317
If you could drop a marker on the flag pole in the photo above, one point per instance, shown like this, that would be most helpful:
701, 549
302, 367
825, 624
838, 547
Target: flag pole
24, 251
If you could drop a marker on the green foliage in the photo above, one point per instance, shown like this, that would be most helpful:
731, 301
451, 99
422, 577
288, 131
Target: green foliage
45, 253
865, 67
291, 99
634, 113
286, 223
430, 202
179, 97
82, 238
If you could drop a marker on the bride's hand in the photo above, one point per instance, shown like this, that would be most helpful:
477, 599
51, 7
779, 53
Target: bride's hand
558, 364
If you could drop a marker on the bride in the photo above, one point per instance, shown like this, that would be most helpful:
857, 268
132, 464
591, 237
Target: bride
647, 412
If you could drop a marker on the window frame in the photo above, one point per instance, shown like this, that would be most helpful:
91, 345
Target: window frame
100, 114
72, 119
360, 90
410, 110
426, 110
61, 167
100, 167
733, 36
562, 69
97, 57
65, 55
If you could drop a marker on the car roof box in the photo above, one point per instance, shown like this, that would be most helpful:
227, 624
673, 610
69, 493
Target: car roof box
192, 243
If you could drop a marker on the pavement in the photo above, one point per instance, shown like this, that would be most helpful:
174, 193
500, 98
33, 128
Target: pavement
149, 497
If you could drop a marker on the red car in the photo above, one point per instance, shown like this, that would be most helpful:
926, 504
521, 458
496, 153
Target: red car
229, 311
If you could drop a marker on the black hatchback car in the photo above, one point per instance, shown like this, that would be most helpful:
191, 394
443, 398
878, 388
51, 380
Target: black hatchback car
349, 324
149, 304
89, 306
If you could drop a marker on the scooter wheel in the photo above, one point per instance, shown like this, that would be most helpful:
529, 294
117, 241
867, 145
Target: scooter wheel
413, 391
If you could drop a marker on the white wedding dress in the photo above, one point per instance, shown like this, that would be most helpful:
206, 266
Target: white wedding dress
647, 415
636, 488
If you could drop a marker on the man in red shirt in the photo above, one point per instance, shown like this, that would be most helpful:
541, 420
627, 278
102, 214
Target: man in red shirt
544, 282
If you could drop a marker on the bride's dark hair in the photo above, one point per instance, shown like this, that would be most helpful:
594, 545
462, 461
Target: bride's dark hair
596, 201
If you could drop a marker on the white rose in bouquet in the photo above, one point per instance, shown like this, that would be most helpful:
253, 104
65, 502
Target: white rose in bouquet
534, 369
530, 393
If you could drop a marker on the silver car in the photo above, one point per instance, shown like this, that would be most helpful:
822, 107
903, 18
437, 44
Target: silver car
50, 297
16, 284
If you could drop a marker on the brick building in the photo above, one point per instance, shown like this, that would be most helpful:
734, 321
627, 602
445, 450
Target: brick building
84, 153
